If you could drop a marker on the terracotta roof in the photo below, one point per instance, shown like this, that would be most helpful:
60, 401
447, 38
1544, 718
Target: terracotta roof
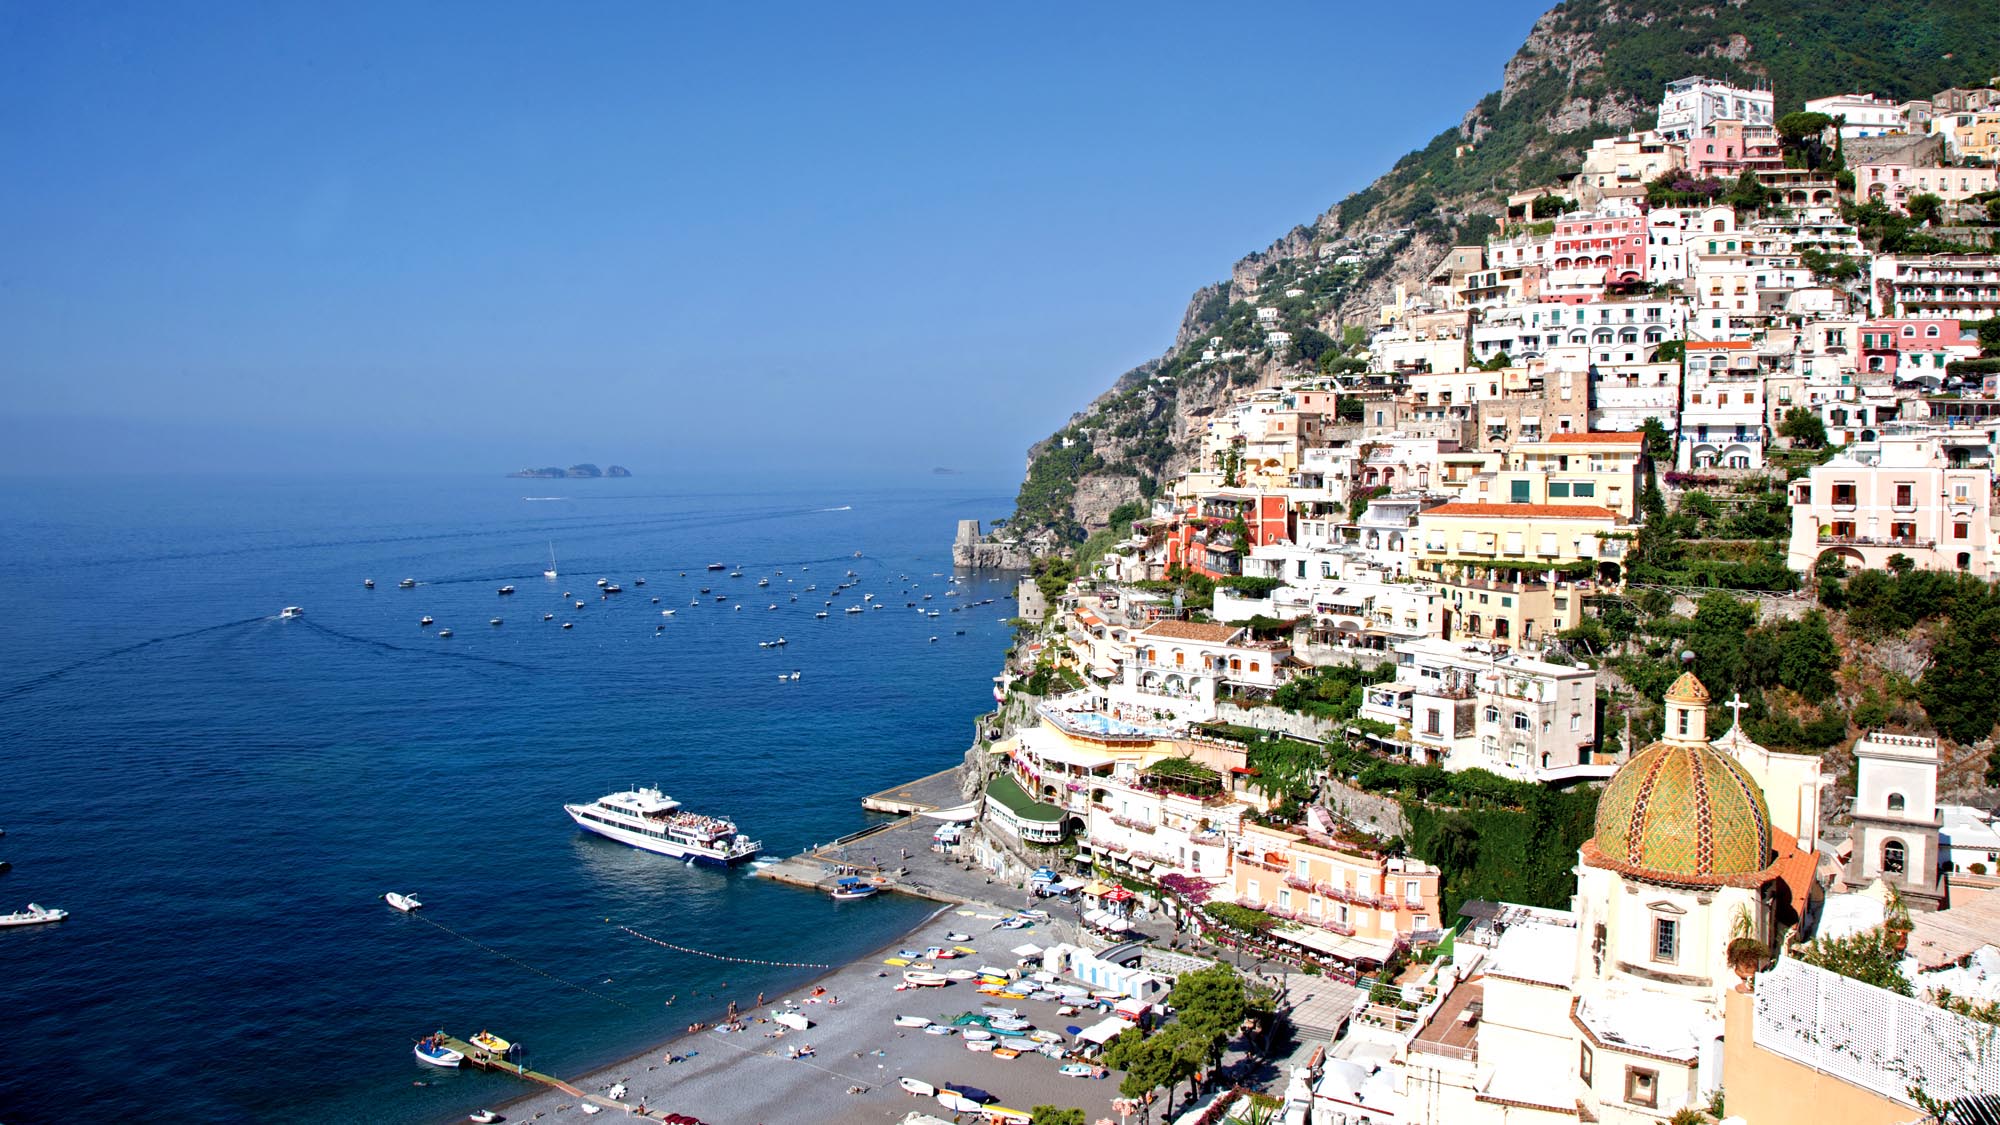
1523, 511
1608, 437
1192, 631
1797, 870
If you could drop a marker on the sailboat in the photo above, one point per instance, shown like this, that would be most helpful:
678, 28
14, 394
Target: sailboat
551, 571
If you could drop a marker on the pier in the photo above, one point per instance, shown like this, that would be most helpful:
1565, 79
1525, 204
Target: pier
878, 851
485, 1060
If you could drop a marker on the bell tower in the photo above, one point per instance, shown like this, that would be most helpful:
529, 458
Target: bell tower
1896, 818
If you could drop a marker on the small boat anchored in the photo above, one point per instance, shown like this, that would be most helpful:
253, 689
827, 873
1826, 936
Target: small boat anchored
35, 915
551, 571
487, 1041
404, 903
430, 1049
852, 887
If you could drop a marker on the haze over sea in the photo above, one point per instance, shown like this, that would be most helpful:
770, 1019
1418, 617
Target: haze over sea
220, 797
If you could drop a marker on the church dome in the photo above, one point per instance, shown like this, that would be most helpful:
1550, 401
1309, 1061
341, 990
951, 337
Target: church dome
1680, 812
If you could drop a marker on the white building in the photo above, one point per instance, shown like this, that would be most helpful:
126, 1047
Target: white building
1722, 419
1464, 706
1692, 105
1863, 115
1914, 494
1896, 819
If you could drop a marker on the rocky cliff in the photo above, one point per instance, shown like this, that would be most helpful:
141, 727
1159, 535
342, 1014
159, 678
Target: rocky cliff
1588, 69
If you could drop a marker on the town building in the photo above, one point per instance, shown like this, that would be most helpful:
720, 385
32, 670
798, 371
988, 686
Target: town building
1471, 706
1897, 825
1338, 893
1940, 286
1920, 495
1691, 106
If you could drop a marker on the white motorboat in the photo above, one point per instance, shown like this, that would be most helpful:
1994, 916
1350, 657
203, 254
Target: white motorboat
496, 621
548, 617
444, 632
437, 1054
959, 1103
940, 1029
821, 615
972, 1044
666, 613
484, 1116
917, 1086
602, 582
368, 583
506, 590
407, 584
404, 903
925, 980
424, 620
35, 915
652, 821
551, 571
913, 1021
290, 612
850, 887
962, 974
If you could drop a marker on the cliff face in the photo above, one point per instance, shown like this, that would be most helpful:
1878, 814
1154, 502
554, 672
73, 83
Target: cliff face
1588, 69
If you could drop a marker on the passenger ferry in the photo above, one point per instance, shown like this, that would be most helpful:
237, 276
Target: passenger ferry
651, 820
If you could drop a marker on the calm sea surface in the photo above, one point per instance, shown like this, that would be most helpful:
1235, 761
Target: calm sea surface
220, 797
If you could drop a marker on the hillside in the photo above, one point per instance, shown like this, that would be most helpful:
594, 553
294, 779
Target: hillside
1589, 69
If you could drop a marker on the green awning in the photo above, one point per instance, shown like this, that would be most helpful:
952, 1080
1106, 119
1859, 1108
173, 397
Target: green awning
1008, 792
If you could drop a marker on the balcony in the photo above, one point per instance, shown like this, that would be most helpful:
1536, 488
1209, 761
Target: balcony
1300, 883
1349, 895
1827, 540
1134, 825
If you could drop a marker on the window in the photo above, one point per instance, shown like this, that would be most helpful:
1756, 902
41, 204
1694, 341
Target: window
1666, 939
1413, 893
1303, 869
1896, 802
1642, 1087
1905, 496
1960, 530
1431, 714
1576, 722
1493, 714
1518, 491
1584, 1062
1895, 859
1520, 720
1843, 495
1584, 488
1683, 721
1285, 899
1558, 488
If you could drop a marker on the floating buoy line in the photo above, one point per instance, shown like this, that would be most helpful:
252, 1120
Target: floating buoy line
722, 956
476, 944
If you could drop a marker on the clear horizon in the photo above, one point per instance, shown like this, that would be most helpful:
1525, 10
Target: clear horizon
682, 241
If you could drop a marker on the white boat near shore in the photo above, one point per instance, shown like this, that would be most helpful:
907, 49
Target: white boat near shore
404, 903
925, 980
650, 820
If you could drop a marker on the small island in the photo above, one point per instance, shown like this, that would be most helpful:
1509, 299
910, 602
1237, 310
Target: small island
584, 471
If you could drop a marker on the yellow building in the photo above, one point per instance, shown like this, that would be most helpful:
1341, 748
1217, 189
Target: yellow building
1517, 573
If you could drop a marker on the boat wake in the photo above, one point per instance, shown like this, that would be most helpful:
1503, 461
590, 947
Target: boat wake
536, 498
54, 674
387, 646
842, 508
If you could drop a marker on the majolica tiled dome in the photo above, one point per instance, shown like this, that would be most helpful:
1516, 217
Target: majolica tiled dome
1681, 812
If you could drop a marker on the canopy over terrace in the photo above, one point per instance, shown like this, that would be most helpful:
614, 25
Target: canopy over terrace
1348, 950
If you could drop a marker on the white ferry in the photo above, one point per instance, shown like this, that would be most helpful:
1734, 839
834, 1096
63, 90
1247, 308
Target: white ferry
655, 822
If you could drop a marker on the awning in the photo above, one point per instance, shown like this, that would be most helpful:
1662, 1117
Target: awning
1095, 888
1333, 945
1117, 894
1142, 864
1028, 950
961, 814
1104, 1030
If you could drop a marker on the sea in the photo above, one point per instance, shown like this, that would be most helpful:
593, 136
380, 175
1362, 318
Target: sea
220, 797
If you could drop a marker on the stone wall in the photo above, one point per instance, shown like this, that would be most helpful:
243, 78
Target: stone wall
1366, 810
1277, 719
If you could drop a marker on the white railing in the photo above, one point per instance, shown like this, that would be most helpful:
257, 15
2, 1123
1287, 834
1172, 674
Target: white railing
1871, 1037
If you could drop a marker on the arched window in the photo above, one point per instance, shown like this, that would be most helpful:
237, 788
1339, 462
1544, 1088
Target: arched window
1896, 803
1893, 861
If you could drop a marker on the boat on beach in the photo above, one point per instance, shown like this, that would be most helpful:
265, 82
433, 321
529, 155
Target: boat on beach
650, 820
913, 1021
35, 915
925, 979
917, 1086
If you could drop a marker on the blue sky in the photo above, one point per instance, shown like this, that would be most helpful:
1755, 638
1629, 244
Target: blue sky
823, 237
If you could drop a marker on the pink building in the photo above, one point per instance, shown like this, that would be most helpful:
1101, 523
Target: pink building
1914, 347
1341, 899
1609, 249
1729, 149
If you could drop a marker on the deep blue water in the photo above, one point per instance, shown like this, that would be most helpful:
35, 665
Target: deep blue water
219, 797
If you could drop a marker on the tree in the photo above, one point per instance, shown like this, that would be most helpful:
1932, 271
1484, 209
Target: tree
1747, 193
1926, 209
1989, 333
1957, 689
1803, 138
1871, 957
1807, 657
1659, 442
1057, 1115
1211, 1002
1804, 428
1720, 624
